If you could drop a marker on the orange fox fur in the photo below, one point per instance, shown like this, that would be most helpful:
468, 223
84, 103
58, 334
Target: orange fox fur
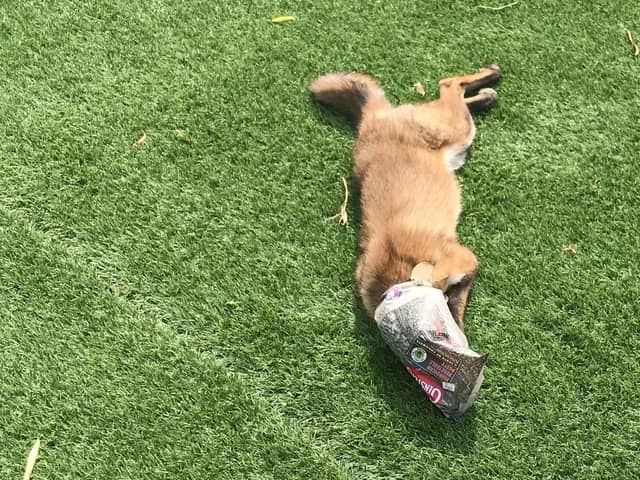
404, 162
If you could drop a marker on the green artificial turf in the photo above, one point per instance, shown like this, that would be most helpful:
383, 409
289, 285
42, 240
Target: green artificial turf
185, 309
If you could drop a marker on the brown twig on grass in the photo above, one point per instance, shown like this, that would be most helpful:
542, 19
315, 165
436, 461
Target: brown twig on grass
636, 48
495, 9
342, 216
138, 143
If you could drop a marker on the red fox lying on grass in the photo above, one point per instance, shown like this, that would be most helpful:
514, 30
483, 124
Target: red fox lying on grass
404, 162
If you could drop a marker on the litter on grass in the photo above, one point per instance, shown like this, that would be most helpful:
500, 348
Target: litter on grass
571, 248
415, 321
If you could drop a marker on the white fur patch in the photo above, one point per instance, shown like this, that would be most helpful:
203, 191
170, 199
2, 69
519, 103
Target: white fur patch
455, 156
454, 279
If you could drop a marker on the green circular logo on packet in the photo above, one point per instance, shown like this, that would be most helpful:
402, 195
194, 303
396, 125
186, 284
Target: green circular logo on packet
418, 355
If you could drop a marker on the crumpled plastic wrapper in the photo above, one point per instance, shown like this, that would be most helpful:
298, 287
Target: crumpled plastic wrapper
415, 321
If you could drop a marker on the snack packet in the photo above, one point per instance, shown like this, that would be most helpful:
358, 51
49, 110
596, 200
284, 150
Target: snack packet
415, 321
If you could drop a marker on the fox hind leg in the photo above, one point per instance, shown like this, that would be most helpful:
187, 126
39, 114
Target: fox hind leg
459, 266
482, 78
459, 296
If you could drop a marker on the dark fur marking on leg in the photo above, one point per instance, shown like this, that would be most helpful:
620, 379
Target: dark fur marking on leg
459, 296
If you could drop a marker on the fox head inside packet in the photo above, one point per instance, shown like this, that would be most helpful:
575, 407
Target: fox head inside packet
415, 321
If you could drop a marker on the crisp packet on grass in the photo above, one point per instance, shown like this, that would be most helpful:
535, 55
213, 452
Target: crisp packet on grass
415, 321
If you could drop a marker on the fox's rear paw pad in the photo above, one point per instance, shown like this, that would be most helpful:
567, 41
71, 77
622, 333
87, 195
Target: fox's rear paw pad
493, 71
494, 67
488, 93
484, 99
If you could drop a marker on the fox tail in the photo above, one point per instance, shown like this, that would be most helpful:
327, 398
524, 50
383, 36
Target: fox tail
352, 94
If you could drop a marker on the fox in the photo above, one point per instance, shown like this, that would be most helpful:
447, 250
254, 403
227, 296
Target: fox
404, 163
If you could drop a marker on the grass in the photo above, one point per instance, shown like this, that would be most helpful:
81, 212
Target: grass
184, 310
